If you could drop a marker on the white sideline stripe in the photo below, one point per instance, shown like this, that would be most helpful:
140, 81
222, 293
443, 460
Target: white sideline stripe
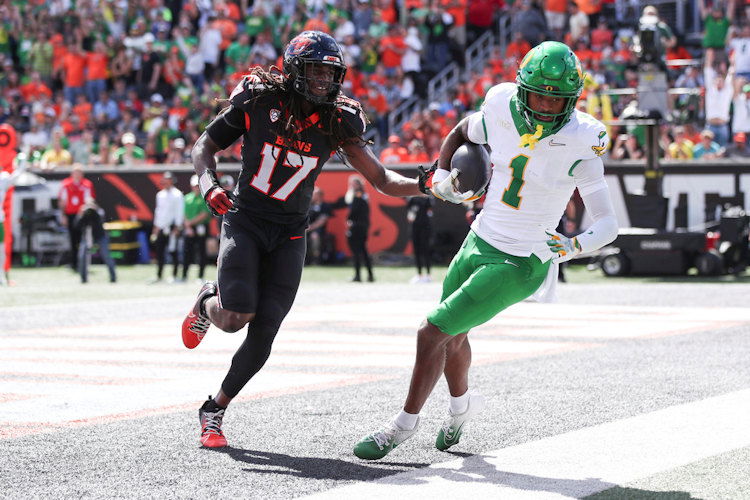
577, 463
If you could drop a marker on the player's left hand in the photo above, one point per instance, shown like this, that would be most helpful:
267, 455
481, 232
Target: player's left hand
562, 247
446, 192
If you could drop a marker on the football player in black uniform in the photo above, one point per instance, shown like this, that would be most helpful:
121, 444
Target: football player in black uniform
291, 122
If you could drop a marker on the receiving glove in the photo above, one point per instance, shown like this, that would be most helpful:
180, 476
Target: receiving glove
218, 199
562, 247
442, 187
425, 176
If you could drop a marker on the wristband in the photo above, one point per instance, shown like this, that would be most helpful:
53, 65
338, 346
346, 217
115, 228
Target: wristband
207, 181
439, 176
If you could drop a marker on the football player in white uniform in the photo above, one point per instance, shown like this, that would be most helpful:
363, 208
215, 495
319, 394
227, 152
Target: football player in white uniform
542, 148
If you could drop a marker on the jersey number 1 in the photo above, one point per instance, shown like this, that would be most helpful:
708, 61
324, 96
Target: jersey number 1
270, 158
511, 195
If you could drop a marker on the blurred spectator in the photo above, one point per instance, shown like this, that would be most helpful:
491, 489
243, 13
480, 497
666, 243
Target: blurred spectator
106, 113
96, 71
357, 225
738, 148
592, 8
555, 11
318, 239
169, 216
740, 45
530, 22
195, 65
129, 154
417, 153
626, 148
56, 156
718, 100
517, 48
707, 149
437, 23
197, 218
419, 216
177, 153
716, 24
148, 76
481, 16
395, 152
741, 106
210, 48
40, 56
82, 149
75, 191
578, 24
34, 88
72, 71
601, 36
682, 147
392, 49
89, 222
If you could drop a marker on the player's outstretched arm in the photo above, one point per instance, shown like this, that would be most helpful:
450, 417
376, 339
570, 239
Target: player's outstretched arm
218, 200
386, 181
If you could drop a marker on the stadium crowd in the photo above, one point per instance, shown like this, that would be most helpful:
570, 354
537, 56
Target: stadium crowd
130, 82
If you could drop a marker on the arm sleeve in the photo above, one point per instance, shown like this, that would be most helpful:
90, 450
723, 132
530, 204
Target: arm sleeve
604, 228
227, 127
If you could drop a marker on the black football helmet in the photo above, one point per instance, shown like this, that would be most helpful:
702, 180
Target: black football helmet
309, 48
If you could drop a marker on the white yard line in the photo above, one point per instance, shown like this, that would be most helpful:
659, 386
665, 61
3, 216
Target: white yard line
577, 463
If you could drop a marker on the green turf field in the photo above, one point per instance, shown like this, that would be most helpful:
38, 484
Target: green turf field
49, 285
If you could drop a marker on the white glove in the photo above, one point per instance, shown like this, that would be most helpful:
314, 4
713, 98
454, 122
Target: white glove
562, 247
444, 189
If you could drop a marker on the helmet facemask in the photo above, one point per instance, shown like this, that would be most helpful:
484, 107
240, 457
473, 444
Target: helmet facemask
558, 119
305, 81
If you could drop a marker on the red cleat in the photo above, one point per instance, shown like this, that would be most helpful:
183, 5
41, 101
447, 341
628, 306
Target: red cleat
211, 416
196, 323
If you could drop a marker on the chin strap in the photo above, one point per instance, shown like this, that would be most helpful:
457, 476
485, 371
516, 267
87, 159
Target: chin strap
530, 140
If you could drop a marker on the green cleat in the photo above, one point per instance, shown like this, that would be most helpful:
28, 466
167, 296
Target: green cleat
453, 426
378, 444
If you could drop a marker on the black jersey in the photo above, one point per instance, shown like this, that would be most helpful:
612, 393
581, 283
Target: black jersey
277, 177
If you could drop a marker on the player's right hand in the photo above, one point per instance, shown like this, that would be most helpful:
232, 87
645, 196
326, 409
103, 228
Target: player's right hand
219, 201
447, 192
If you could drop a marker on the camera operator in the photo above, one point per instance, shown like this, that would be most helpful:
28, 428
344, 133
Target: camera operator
650, 44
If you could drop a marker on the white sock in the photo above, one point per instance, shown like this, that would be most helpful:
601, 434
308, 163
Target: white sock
406, 421
460, 404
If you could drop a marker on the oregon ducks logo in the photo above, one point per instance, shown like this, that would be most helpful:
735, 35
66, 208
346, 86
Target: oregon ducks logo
579, 69
549, 88
526, 59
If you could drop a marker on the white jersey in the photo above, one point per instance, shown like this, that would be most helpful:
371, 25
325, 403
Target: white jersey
530, 188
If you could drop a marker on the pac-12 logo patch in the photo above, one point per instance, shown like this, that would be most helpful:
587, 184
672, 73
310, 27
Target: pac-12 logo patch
274, 115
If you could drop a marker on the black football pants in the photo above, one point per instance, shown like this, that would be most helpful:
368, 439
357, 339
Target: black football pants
260, 267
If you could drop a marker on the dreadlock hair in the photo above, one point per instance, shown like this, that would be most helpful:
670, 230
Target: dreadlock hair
338, 131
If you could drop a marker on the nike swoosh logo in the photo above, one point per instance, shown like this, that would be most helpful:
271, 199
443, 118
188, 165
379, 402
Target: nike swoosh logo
510, 262
295, 237
553, 143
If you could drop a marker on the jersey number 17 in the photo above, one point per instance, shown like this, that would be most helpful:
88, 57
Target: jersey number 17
270, 159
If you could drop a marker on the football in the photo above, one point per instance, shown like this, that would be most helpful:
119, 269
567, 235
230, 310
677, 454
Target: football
474, 168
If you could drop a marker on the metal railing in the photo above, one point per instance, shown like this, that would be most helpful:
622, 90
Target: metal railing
439, 85
478, 53
401, 113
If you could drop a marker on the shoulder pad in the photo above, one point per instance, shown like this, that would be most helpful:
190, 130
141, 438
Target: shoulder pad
499, 94
351, 113
245, 89
591, 135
